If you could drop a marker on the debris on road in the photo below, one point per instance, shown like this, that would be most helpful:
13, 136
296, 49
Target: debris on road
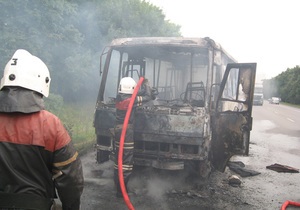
234, 181
188, 193
239, 168
282, 168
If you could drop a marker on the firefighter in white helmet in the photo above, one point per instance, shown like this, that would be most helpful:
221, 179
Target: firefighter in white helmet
125, 91
37, 156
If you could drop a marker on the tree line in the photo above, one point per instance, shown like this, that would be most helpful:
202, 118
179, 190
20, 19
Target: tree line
69, 35
285, 85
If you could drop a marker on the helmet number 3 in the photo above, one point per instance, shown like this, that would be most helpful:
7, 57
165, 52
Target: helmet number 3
14, 63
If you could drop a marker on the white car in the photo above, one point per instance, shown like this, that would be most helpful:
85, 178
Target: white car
274, 100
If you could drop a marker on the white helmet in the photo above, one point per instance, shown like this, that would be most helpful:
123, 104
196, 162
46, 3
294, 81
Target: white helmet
127, 85
27, 71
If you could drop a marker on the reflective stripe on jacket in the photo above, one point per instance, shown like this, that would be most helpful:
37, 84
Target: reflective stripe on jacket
33, 148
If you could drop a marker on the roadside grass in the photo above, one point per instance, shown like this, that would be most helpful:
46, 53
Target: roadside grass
292, 105
77, 119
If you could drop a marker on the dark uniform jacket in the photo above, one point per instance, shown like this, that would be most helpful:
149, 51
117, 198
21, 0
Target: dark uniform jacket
36, 155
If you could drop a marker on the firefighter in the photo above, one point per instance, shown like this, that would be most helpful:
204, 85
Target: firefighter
125, 91
37, 157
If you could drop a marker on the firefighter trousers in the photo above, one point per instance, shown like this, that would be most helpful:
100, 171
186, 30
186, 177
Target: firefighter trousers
127, 155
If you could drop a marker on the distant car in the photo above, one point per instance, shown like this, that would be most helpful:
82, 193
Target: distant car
274, 100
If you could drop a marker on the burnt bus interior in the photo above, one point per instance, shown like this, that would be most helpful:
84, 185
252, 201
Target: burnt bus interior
175, 128
178, 74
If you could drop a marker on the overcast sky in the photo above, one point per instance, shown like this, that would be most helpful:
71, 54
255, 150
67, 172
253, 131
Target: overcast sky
263, 31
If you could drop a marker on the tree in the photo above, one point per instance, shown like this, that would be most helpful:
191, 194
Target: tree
286, 84
70, 35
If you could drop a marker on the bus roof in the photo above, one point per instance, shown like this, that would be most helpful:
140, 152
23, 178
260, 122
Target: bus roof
168, 41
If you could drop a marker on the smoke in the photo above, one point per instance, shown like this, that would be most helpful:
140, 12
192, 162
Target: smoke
157, 187
95, 173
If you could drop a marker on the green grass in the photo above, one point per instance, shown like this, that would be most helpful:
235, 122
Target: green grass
77, 119
292, 105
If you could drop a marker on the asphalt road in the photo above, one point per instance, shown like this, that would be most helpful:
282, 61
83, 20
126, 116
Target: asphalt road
286, 119
275, 138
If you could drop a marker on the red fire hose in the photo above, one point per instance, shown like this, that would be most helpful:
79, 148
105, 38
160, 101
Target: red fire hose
287, 203
120, 155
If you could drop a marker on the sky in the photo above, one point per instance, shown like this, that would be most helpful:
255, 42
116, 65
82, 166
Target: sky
263, 31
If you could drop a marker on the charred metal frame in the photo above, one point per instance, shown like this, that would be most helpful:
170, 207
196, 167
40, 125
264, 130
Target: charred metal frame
170, 134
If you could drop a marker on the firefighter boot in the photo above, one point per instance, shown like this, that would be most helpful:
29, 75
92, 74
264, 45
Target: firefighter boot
119, 191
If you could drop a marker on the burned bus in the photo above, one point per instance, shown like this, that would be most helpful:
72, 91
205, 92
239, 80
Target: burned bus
202, 114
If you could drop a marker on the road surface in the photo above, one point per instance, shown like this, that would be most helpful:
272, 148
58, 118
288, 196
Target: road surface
275, 138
